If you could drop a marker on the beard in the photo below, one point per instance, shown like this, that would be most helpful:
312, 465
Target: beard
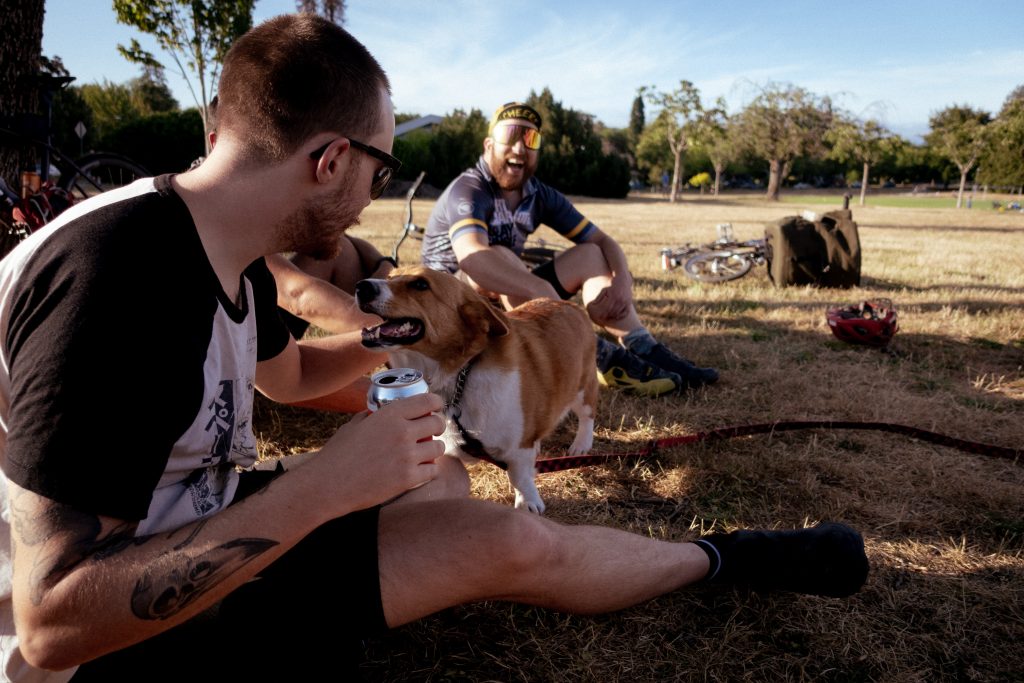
315, 228
511, 177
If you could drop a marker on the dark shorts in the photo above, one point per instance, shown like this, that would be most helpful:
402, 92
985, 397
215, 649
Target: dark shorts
301, 618
546, 272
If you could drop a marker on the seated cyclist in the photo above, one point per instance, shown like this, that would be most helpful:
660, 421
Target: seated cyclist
477, 230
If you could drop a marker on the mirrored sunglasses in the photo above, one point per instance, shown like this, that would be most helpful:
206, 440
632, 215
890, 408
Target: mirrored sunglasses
382, 177
511, 134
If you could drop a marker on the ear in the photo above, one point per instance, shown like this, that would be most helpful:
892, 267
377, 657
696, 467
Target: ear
331, 163
483, 321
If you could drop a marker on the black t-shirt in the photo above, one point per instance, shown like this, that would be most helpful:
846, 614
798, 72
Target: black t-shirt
126, 373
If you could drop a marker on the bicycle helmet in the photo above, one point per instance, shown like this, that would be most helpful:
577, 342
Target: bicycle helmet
872, 322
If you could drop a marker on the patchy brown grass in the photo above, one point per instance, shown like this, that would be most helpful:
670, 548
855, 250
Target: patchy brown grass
944, 529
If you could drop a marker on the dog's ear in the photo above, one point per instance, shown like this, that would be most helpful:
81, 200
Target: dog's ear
483, 318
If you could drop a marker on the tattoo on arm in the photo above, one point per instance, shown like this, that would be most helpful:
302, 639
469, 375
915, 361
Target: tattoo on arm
180, 579
66, 539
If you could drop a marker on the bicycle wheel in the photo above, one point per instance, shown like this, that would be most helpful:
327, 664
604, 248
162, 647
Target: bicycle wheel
96, 173
717, 266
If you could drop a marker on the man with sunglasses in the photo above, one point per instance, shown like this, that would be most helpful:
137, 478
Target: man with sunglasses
319, 292
482, 220
131, 541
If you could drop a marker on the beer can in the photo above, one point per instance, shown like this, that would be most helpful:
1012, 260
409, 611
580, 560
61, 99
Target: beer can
666, 259
391, 385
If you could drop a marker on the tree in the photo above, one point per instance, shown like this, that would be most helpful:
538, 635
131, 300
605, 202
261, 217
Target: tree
150, 92
680, 113
331, 10
782, 123
636, 120
572, 157
718, 139
195, 34
959, 133
867, 143
1003, 160
20, 49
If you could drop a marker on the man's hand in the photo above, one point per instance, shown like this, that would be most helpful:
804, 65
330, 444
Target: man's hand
376, 457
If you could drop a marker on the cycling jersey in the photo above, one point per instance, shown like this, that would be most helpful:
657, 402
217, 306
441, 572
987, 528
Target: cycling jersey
473, 202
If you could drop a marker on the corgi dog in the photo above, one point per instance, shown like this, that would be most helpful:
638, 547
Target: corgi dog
507, 378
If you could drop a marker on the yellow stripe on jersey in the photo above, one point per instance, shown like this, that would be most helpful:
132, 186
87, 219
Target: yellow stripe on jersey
578, 229
470, 223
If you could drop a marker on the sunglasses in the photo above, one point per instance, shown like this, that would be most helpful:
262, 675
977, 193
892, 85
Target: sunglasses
511, 134
382, 177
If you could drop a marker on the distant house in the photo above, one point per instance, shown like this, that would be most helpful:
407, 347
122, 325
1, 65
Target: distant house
426, 123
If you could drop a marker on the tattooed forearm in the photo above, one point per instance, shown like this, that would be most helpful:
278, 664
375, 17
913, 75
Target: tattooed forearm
180, 579
64, 538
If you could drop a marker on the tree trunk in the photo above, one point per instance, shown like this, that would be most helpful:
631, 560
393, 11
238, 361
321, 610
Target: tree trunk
864, 184
677, 171
960, 192
774, 179
20, 46
718, 177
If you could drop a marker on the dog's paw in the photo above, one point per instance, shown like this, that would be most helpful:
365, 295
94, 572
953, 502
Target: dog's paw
582, 444
536, 506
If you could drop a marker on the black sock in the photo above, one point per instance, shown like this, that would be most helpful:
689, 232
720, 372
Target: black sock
825, 560
714, 558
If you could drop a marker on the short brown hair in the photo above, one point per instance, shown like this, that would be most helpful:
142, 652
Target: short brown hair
295, 76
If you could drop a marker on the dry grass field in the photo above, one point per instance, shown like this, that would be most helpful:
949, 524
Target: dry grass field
944, 529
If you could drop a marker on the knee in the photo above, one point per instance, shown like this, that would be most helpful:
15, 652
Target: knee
530, 542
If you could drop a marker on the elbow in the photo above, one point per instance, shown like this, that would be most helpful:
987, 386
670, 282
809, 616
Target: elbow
45, 648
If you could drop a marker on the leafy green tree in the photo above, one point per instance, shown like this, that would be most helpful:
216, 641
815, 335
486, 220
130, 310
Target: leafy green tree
959, 133
112, 104
867, 143
331, 10
717, 137
782, 123
151, 93
1003, 160
572, 153
456, 144
652, 149
680, 114
195, 34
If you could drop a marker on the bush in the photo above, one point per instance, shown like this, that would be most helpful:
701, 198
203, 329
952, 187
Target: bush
164, 143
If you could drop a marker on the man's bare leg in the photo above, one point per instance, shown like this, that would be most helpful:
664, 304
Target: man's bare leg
437, 555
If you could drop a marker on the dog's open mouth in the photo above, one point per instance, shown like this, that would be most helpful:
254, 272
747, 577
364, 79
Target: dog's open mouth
397, 332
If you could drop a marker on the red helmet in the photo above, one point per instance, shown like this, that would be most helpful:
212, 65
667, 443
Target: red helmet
872, 322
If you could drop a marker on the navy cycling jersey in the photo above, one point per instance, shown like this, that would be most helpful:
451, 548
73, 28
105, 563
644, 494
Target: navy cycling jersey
473, 202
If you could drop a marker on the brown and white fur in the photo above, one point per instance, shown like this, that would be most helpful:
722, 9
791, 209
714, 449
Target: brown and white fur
531, 365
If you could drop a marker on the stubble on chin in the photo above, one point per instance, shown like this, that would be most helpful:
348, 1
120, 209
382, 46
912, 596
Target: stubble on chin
315, 229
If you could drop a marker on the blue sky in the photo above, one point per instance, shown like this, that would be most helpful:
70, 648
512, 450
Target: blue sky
897, 61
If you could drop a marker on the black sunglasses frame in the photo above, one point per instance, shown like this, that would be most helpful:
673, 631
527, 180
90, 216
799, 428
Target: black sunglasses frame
384, 174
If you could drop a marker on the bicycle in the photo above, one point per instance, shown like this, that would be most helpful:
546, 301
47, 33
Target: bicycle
723, 260
537, 252
41, 198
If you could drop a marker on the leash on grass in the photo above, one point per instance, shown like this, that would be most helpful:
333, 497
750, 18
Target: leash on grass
568, 462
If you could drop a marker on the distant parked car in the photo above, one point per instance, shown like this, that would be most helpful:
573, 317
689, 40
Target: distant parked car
802, 186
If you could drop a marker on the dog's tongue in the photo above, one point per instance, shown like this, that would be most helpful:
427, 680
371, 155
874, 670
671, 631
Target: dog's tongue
391, 332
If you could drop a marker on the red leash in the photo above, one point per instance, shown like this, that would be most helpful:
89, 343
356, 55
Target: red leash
572, 461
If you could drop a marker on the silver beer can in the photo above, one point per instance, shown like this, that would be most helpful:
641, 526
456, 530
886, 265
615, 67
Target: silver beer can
666, 259
391, 385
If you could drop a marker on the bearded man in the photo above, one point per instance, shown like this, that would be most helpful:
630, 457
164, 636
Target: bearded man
482, 220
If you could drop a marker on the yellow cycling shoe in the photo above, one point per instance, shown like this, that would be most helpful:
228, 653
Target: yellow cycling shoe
621, 369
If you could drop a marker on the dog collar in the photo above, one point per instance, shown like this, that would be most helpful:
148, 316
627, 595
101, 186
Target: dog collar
453, 408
